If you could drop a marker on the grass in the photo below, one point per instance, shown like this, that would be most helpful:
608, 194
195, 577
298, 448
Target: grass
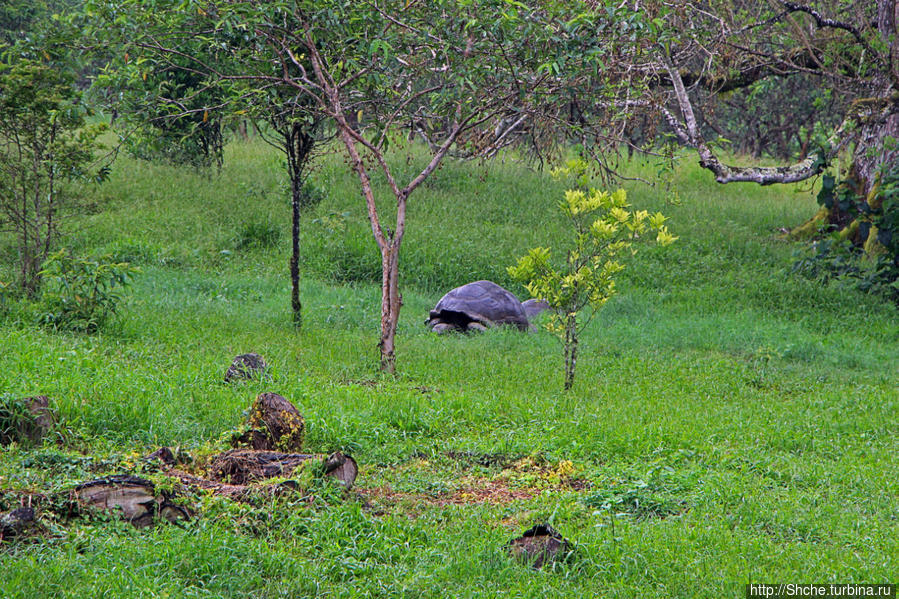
730, 422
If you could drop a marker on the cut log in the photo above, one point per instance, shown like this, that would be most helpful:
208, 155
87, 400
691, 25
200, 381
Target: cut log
342, 467
134, 499
274, 425
539, 546
242, 466
13, 523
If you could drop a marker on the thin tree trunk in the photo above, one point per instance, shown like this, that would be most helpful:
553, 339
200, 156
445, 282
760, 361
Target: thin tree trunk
571, 342
295, 304
390, 305
298, 144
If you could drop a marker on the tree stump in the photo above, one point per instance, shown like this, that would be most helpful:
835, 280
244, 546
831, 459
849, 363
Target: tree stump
274, 424
14, 523
131, 497
26, 420
539, 546
246, 367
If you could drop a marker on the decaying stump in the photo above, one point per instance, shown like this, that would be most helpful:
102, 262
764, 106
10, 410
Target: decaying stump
539, 546
28, 420
14, 523
133, 498
241, 467
245, 367
342, 467
274, 424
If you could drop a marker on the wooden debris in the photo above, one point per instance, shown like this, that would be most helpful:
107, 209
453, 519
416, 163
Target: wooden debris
242, 466
342, 467
14, 523
539, 546
133, 498
164, 455
233, 492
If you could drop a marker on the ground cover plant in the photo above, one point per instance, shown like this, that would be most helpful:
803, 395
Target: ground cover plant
731, 421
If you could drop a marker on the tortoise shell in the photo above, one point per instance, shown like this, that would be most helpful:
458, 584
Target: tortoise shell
480, 303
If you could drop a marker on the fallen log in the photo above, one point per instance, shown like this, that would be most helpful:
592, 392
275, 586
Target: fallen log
245, 493
243, 466
134, 499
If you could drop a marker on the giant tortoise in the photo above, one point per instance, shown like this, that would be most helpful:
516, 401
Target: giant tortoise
479, 305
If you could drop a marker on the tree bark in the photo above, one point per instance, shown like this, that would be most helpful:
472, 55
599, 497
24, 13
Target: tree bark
298, 144
571, 342
295, 305
134, 499
390, 305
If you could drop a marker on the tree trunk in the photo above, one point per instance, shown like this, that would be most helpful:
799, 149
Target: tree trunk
872, 151
241, 466
298, 145
134, 499
390, 304
571, 342
295, 305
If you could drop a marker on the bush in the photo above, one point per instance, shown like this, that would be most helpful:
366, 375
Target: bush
81, 294
603, 229
864, 255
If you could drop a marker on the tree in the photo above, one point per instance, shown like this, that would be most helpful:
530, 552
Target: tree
45, 147
603, 228
176, 101
297, 130
851, 48
464, 75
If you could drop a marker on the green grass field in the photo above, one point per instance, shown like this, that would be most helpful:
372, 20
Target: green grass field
730, 422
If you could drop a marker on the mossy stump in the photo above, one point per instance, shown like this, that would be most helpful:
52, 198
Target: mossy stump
274, 424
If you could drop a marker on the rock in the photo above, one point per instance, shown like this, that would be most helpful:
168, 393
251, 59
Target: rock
246, 367
274, 424
539, 546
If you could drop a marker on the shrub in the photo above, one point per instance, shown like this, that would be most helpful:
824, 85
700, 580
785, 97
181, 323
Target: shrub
865, 254
81, 294
603, 229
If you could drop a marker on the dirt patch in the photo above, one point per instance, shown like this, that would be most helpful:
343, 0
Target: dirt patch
471, 491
